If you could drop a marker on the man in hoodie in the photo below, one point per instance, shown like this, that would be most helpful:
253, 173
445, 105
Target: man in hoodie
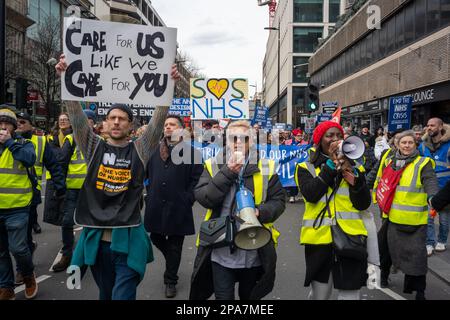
436, 145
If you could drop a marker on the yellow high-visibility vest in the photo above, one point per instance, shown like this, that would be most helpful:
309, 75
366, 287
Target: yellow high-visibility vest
16, 190
341, 209
77, 170
48, 176
383, 161
260, 182
410, 205
39, 143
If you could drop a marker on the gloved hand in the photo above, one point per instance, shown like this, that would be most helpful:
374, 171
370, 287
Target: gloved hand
374, 276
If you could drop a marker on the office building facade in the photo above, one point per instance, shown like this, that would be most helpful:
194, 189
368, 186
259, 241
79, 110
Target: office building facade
361, 68
301, 24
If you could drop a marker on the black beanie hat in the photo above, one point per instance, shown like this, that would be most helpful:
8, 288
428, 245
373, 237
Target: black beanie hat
122, 107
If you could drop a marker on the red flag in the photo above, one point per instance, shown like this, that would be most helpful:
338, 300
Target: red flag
336, 116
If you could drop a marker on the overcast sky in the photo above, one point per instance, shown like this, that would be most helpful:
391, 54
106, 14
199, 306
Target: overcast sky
226, 38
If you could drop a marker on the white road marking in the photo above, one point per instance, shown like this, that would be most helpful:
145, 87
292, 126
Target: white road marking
38, 280
391, 293
58, 257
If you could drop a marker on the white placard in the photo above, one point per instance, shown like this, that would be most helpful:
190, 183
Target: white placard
118, 62
219, 98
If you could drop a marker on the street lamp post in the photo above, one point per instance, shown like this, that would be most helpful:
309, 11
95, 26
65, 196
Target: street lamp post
278, 73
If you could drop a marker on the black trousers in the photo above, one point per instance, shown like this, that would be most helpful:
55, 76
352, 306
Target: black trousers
385, 256
32, 219
171, 247
225, 278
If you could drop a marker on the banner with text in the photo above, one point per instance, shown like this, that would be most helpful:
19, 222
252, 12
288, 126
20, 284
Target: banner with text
180, 107
118, 62
399, 113
219, 99
286, 157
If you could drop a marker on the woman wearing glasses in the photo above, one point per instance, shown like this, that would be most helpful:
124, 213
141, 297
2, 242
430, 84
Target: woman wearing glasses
53, 205
217, 270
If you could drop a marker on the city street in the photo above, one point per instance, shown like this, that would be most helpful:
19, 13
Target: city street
288, 284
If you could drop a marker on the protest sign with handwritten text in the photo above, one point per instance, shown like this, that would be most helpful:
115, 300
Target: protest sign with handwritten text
118, 62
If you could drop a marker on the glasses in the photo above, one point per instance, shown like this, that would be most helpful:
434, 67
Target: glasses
63, 120
235, 139
22, 122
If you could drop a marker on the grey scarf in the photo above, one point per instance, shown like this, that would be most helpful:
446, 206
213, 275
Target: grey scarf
401, 161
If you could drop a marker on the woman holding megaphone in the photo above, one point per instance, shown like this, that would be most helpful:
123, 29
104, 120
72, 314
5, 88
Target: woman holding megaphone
229, 183
333, 232
403, 190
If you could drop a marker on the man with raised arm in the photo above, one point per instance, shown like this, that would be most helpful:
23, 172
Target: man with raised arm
114, 242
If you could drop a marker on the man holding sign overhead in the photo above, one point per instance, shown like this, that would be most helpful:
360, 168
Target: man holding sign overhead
114, 242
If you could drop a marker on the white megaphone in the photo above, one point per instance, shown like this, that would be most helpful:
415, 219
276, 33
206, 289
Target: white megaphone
251, 234
353, 147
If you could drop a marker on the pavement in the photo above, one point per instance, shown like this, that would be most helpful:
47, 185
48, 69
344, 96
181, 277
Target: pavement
439, 262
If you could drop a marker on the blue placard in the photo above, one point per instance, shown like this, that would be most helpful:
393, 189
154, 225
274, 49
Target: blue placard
180, 107
286, 158
399, 113
324, 117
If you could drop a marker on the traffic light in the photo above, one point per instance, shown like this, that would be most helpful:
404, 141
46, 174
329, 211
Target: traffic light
312, 96
21, 93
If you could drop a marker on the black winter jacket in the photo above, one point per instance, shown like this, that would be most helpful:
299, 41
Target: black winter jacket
210, 192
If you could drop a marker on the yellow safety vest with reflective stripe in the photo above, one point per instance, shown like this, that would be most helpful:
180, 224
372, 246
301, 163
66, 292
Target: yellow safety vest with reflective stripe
410, 205
341, 209
260, 182
16, 190
383, 162
39, 143
47, 173
76, 172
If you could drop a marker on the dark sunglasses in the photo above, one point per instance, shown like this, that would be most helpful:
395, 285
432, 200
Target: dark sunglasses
22, 121
235, 139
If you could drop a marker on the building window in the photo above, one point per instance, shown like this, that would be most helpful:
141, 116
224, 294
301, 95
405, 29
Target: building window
357, 52
445, 12
409, 24
399, 29
298, 97
369, 49
376, 45
306, 39
334, 10
390, 36
421, 7
308, 10
299, 72
383, 40
433, 15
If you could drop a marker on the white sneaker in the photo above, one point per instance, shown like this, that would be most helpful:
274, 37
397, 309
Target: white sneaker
291, 199
440, 247
430, 250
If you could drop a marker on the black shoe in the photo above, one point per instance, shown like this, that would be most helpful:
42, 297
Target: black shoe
384, 283
171, 291
37, 228
420, 295
62, 264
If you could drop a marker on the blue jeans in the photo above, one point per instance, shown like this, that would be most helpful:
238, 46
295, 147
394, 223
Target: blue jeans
443, 229
13, 239
114, 278
70, 204
225, 278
